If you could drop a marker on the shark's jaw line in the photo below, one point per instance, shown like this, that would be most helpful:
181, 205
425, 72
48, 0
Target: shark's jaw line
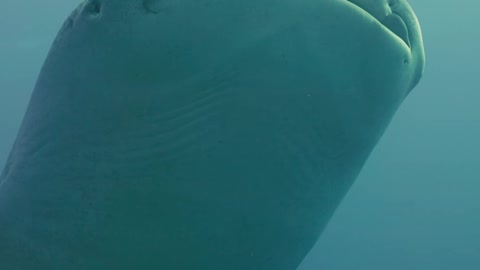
390, 12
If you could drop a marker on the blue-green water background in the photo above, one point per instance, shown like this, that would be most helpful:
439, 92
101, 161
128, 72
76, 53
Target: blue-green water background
416, 204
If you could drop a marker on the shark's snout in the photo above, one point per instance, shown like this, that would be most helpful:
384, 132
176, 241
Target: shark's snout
398, 17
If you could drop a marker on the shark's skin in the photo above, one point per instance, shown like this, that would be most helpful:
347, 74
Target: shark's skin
205, 135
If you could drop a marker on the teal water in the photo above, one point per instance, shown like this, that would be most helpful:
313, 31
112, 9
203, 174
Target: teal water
416, 203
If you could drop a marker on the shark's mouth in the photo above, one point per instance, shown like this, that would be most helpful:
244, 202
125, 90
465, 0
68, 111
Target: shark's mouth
387, 17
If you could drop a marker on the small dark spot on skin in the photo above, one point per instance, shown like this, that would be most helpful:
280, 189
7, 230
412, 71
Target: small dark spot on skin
154, 6
406, 61
392, 4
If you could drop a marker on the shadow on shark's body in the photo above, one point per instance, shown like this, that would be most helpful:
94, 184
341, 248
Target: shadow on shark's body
201, 134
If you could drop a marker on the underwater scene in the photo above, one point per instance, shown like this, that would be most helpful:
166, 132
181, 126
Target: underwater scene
239, 135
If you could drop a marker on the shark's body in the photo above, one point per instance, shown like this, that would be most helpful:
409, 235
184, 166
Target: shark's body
183, 135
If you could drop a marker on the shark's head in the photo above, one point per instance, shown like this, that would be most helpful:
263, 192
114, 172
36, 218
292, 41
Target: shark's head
201, 134
398, 17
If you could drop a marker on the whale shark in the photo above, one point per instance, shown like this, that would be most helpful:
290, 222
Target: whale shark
202, 134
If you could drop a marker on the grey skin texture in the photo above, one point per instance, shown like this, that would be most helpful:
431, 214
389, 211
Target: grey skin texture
201, 134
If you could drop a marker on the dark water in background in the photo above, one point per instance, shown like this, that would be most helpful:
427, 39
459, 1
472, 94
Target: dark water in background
416, 204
